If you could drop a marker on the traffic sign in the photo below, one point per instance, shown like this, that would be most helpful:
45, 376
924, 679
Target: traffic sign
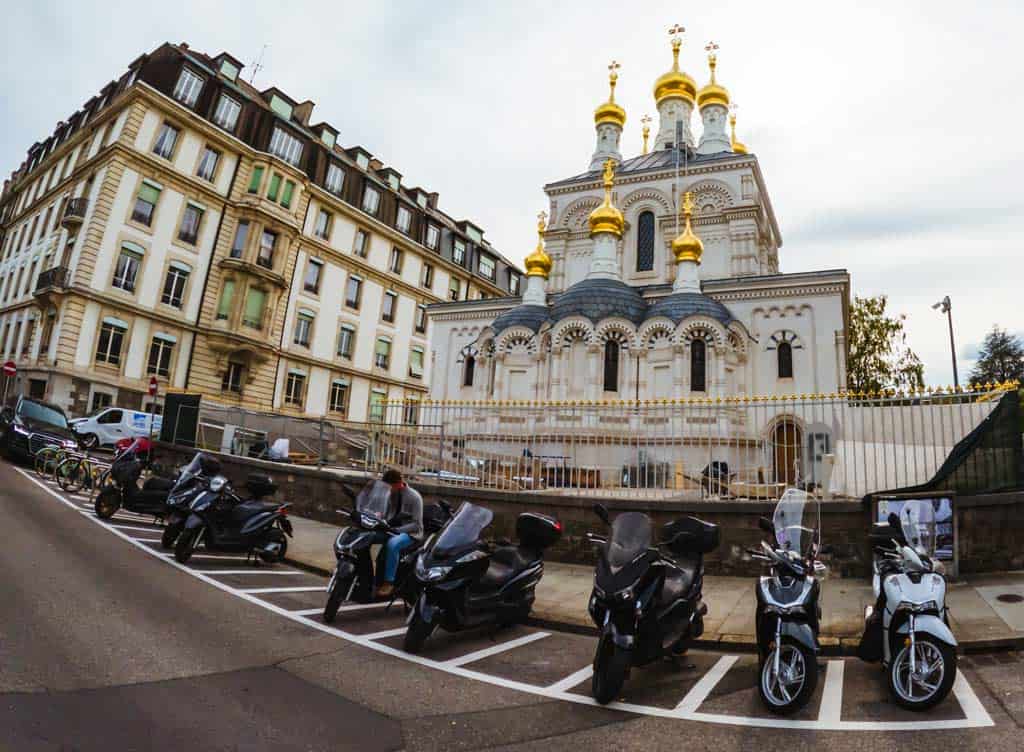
10, 368
152, 383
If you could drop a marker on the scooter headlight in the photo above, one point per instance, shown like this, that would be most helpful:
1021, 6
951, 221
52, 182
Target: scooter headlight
785, 610
471, 556
430, 574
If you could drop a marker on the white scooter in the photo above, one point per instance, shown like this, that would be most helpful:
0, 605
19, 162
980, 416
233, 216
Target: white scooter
908, 628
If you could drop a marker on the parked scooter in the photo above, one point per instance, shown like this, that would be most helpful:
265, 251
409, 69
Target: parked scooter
124, 491
190, 482
468, 583
353, 579
788, 611
222, 521
646, 603
908, 628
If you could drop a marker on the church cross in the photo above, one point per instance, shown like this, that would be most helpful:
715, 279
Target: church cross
688, 203
711, 48
542, 221
676, 30
614, 66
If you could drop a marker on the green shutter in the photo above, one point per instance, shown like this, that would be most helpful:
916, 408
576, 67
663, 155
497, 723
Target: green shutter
254, 306
257, 178
286, 195
149, 194
226, 294
383, 347
275, 186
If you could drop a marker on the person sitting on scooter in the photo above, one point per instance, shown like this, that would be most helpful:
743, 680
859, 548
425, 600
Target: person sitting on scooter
405, 507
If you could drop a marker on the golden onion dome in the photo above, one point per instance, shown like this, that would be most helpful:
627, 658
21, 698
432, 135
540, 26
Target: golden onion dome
610, 112
737, 146
712, 93
687, 247
675, 83
606, 217
538, 263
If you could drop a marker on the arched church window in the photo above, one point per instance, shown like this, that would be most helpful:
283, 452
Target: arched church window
611, 366
467, 371
785, 358
698, 366
645, 242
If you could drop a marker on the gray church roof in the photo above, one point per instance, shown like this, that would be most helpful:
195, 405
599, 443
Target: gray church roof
532, 316
661, 159
680, 305
597, 299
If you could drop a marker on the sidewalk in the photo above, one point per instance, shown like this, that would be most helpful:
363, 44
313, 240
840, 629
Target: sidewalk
980, 619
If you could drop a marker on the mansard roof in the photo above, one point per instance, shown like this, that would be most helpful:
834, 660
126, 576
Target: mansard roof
662, 159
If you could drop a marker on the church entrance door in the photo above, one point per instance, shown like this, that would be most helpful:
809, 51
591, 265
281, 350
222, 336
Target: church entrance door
786, 439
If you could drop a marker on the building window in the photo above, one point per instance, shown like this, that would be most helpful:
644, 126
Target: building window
286, 146
378, 402
286, 194
303, 329
268, 240
275, 186
323, 225
433, 237
395, 265
453, 289
100, 400
335, 181
252, 316
411, 412
459, 252
127, 270
311, 283
611, 366
382, 353
226, 294
188, 87
346, 341
339, 396
468, 370
145, 204
361, 246
190, 221
421, 319
388, 312
108, 349
486, 266
231, 381
371, 200
160, 357
256, 179
226, 114
294, 389
784, 356
47, 333
416, 362
427, 276
241, 235
404, 221
514, 281
698, 366
353, 292
164, 146
174, 286
208, 164
645, 242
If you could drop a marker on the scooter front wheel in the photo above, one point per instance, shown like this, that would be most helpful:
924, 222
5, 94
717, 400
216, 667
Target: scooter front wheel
932, 677
339, 589
611, 669
416, 633
787, 690
170, 536
186, 544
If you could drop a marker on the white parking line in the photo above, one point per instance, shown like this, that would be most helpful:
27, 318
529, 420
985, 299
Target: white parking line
129, 527
253, 571
147, 540
699, 692
564, 685
341, 609
213, 557
257, 591
495, 649
831, 708
386, 633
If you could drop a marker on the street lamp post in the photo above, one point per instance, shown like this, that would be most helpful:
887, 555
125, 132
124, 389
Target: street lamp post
944, 306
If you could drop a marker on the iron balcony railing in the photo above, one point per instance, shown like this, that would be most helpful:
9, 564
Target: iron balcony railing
75, 210
54, 277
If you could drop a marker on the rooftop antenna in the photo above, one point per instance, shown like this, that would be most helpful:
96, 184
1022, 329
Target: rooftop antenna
257, 64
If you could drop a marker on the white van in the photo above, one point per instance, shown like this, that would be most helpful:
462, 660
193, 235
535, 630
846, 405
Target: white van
111, 424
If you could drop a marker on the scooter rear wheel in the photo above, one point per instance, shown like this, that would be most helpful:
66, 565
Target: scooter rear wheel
611, 669
416, 633
107, 503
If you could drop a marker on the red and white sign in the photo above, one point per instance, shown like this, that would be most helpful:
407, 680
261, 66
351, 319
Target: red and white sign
10, 368
152, 383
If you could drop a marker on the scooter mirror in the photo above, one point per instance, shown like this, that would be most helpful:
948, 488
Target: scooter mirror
601, 512
765, 524
894, 520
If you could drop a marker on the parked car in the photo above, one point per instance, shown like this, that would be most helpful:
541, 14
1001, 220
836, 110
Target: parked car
30, 425
111, 424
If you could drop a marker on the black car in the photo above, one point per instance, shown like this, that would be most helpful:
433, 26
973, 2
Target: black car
30, 425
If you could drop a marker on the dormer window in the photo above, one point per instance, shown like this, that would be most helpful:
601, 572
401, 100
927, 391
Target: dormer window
328, 138
404, 220
371, 200
229, 70
188, 87
335, 181
394, 181
226, 114
286, 146
281, 107
486, 266
421, 200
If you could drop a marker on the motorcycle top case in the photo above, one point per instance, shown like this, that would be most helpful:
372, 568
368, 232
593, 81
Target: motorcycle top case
537, 531
700, 537
260, 485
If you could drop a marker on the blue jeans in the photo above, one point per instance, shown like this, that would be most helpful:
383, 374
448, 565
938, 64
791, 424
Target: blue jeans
393, 552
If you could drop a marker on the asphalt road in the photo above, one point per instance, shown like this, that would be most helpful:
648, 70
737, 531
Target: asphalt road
106, 645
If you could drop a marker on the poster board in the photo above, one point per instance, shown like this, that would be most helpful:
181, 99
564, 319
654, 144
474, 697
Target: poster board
946, 533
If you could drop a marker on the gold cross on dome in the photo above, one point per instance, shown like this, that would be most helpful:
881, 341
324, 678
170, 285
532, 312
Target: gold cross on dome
614, 66
646, 120
676, 30
542, 221
688, 203
711, 47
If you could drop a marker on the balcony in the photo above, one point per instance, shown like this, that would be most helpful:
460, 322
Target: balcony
52, 283
74, 212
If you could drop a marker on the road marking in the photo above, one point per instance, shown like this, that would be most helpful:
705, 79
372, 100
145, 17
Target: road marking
147, 540
129, 527
700, 691
571, 680
341, 609
495, 649
831, 709
387, 633
214, 557
253, 571
976, 715
257, 591
123, 516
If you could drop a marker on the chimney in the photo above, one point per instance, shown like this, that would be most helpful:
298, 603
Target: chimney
302, 112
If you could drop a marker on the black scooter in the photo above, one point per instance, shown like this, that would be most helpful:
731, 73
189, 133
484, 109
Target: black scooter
124, 491
646, 603
191, 481
222, 521
467, 583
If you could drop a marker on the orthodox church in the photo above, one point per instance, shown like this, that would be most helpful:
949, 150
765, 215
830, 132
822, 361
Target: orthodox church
655, 276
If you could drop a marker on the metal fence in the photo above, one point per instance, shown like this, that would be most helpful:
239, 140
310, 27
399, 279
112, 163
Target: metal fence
842, 445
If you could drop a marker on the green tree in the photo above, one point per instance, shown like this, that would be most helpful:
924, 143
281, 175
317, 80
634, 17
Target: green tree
878, 356
1000, 359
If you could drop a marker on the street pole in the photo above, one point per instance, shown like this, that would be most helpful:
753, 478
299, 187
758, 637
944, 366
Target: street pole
946, 306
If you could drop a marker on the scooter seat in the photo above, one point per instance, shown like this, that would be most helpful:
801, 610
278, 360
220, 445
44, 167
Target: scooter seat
247, 509
506, 562
156, 483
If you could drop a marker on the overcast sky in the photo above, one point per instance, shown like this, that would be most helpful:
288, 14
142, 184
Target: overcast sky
889, 134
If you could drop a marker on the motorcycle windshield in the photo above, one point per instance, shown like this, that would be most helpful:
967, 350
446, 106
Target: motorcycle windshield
917, 521
797, 520
373, 499
187, 473
463, 530
630, 537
